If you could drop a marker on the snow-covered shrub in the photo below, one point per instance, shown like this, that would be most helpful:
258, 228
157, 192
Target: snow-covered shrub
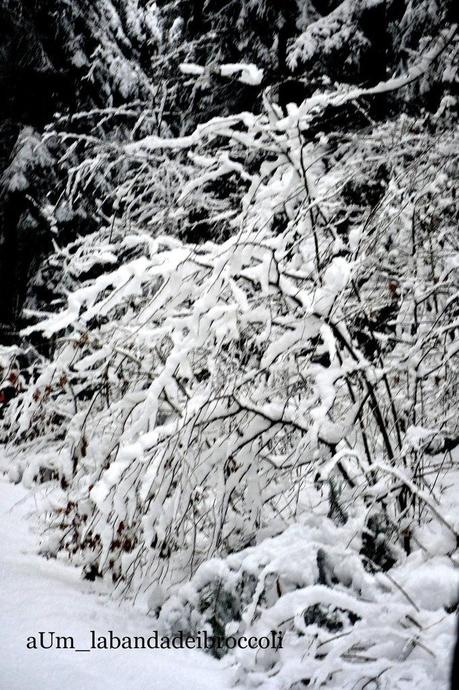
198, 390
342, 627
244, 405
171, 190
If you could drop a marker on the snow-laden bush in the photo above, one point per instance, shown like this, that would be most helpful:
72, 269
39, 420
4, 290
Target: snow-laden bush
244, 405
342, 627
198, 390
257, 429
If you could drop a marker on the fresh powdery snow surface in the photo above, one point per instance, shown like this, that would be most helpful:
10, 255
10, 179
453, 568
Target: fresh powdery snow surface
45, 595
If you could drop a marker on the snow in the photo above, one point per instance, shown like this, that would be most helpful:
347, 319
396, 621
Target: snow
392, 625
45, 595
247, 73
191, 68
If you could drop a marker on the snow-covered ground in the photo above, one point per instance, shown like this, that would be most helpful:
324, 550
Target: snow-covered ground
404, 630
45, 595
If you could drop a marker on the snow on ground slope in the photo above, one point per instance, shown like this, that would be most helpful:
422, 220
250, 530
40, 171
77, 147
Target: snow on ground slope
44, 595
